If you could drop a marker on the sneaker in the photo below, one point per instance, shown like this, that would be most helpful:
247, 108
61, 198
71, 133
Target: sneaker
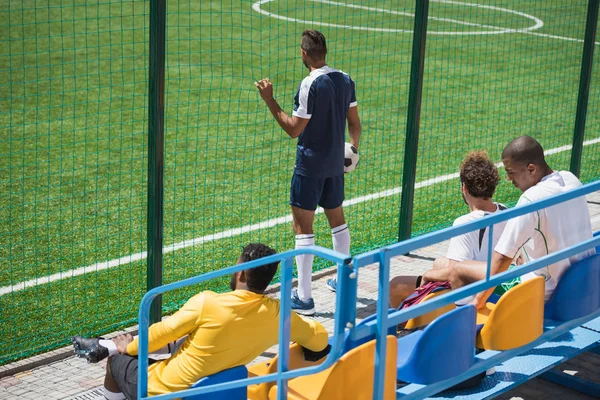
331, 284
90, 349
302, 307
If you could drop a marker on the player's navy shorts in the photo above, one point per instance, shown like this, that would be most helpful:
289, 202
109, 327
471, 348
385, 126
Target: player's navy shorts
307, 192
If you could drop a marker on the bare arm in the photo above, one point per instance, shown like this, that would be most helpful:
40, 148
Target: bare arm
354, 127
292, 125
500, 263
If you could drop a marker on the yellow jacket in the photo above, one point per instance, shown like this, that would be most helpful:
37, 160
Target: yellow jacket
224, 330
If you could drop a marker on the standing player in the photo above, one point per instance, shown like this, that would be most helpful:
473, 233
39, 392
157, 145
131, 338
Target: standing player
325, 100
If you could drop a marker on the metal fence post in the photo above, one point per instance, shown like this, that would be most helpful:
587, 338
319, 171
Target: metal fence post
584, 85
412, 121
156, 147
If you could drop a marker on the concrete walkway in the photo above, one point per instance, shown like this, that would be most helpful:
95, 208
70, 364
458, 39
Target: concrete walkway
68, 377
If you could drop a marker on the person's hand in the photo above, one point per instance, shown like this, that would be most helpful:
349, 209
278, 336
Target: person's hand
265, 88
122, 341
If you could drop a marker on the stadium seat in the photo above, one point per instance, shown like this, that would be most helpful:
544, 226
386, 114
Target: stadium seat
426, 319
351, 377
577, 293
349, 344
231, 374
515, 320
261, 391
444, 349
597, 233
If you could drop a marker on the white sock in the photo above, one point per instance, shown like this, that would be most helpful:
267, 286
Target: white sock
340, 235
108, 395
111, 346
304, 264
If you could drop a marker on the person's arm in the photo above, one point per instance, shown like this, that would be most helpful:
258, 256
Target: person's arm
516, 233
308, 333
184, 321
354, 127
500, 263
292, 125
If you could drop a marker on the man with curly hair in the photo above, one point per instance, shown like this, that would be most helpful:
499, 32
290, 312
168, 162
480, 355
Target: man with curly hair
539, 233
478, 180
533, 235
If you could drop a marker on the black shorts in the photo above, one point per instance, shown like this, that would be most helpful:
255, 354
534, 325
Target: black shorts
124, 370
307, 193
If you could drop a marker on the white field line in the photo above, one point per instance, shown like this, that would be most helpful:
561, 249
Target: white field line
555, 37
93, 268
496, 29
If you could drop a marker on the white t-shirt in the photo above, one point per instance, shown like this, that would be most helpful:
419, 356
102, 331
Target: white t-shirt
550, 229
474, 245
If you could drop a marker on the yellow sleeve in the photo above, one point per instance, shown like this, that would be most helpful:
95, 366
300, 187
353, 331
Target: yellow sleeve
184, 321
308, 333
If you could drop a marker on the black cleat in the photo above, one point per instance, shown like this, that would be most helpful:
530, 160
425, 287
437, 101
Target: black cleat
89, 348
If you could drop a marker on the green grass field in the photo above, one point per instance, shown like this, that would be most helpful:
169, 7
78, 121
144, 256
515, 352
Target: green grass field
73, 110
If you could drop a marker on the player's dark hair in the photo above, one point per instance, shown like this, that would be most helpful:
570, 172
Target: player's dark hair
525, 150
257, 279
313, 43
479, 174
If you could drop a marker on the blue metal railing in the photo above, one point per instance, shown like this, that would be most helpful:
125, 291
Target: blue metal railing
346, 296
344, 275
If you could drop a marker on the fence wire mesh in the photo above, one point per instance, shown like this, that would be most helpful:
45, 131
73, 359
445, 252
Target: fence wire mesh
73, 82
73, 135
512, 69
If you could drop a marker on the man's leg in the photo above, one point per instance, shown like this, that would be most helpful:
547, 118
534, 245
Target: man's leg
443, 262
340, 233
331, 201
111, 387
467, 272
400, 288
303, 228
123, 373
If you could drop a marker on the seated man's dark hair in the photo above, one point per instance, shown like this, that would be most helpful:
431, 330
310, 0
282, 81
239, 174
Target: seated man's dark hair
257, 279
313, 43
525, 150
479, 174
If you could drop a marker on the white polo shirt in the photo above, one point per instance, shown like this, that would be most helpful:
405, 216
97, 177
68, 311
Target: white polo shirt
549, 230
474, 245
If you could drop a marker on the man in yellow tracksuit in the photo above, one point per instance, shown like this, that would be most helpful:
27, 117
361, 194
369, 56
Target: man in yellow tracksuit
223, 330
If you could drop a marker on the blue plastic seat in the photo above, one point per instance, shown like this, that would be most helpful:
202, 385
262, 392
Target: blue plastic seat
350, 344
597, 233
444, 349
227, 375
577, 293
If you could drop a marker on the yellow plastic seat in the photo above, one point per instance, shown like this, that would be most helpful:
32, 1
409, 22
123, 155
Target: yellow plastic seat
515, 320
428, 318
351, 377
261, 391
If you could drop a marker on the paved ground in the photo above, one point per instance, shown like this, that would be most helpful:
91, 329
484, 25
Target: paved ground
72, 378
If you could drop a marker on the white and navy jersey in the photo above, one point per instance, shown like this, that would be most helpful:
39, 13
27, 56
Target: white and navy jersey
324, 97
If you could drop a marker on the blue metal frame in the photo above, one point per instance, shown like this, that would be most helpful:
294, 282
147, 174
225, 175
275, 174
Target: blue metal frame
347, 274
344, 274
572, 382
